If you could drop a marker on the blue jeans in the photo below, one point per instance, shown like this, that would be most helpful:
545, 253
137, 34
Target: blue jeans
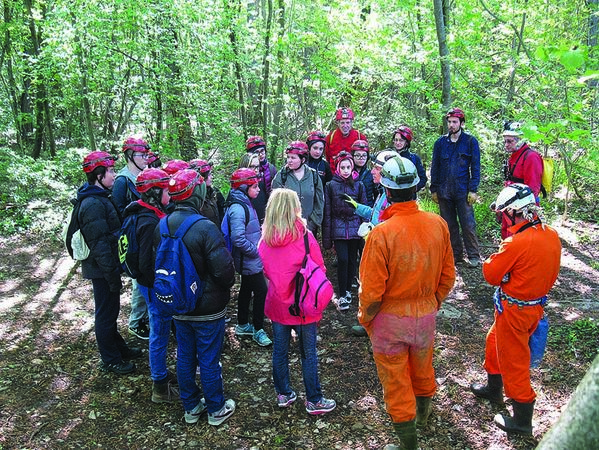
200, 343
160, 330
139, 309
280, 359
453, 210
107, 307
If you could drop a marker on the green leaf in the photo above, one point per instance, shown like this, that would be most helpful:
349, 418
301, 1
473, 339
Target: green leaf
572, 60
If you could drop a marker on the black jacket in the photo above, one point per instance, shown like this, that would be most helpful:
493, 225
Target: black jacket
214, 206
212, 261
100, 223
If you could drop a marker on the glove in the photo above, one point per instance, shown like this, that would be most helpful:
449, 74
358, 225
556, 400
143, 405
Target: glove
351, 201
435, 197
472, 198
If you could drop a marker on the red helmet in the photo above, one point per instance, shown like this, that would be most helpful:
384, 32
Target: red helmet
97, 159
344, 113
244, 176
175, 165
343, 156
456, 112
360, 145
136, 144
297, 148
181, 185
405, 132
316, 136
200, 165
254, 143
151, 177
153, 158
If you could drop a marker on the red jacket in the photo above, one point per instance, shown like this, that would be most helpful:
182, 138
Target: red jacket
526, 166
336, 142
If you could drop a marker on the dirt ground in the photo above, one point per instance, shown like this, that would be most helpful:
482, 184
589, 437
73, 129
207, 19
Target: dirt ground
52, 394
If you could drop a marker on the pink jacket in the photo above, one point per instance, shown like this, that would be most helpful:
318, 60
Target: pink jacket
281, 263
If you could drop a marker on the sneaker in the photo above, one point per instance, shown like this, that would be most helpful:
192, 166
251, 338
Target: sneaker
262, 339
348, 297
244, 330
355, 283
343, 304
285, 400
132, 353
166, 392
324, 406
121, 368
474, 262
222, 414
194, 415
141, 331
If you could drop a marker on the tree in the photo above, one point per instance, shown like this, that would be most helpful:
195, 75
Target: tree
578, 425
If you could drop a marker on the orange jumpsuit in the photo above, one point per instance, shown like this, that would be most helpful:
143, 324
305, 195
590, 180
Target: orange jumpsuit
407, 270
532, 259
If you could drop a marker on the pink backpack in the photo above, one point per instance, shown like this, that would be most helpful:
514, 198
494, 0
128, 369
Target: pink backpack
313, 290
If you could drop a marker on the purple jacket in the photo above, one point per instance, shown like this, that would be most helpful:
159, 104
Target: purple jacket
340, 220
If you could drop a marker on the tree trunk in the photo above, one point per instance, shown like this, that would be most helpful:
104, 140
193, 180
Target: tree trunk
443, 53
235, 11
278, 107
578, 425
89, 126
263, 98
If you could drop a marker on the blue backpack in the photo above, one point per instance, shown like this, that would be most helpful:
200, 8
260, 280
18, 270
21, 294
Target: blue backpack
225, 226
177, 285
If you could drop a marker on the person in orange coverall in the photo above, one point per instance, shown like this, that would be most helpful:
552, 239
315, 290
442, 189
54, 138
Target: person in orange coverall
407, 270
524, 269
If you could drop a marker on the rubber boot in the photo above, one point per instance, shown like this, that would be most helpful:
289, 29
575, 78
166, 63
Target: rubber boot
406, 431
424, 407
492, 391
520, 422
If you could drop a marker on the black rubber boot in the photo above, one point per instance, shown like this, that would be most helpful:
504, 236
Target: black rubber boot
424, 407
492, 391
406, 431
520, 423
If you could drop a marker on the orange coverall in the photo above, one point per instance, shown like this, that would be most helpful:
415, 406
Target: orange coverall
532, 258
407, 270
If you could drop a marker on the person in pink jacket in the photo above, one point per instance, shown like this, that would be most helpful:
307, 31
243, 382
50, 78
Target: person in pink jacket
282, 250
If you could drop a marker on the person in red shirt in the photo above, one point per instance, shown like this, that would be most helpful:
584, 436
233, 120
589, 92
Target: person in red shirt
524, 165
342, 137
524, 270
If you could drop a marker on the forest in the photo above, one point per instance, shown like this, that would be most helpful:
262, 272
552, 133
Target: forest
195, 79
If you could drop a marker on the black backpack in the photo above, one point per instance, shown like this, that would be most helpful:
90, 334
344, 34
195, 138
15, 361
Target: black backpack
128, 246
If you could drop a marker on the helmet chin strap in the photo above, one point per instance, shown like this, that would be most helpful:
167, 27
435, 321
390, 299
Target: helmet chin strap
130, 158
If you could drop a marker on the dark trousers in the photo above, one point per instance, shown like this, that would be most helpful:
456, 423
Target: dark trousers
255, 283
453, 210
347, 262
108, 304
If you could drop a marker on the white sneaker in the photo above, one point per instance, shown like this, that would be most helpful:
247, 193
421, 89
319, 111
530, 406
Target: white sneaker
194, 415
343, 304
222, 414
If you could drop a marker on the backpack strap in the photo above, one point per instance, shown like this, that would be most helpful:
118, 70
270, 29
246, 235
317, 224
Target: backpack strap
306, 243
183, 228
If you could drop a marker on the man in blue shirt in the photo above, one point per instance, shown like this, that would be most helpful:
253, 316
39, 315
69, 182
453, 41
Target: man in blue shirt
455, 175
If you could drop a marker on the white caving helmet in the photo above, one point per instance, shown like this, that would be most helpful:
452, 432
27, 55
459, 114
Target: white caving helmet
514, 197
511, 128
399, 173
383, 156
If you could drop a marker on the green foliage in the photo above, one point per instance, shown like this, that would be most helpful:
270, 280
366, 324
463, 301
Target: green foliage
36, 192
577, 340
